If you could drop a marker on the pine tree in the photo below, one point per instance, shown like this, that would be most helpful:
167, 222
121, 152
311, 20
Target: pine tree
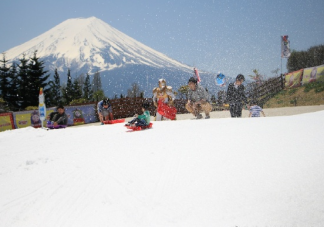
68, 91
38, 79
14, 98
96, 82
98, 95
87, 91
24, 83
4, 79
81, 79
76, 91
57, 83
55, 97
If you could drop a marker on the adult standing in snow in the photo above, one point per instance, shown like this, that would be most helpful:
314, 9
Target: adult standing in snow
59, 117
236, 96
104, 111
198, 99
163, 98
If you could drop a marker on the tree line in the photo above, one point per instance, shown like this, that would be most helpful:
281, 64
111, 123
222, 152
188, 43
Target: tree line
20, 84
314, 56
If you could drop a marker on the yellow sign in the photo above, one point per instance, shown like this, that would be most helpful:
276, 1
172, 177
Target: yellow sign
6, 122
24, 119
293, 79
312, 74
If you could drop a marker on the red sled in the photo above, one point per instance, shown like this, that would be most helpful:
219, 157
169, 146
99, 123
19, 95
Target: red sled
138, 128
166, 110
114, 121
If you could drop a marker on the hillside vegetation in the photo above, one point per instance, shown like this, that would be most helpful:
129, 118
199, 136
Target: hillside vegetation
309, 95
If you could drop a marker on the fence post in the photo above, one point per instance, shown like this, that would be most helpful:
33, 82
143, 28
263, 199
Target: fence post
282, 81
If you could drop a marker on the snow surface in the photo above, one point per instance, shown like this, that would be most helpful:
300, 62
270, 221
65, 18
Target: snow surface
217, 172
91, 43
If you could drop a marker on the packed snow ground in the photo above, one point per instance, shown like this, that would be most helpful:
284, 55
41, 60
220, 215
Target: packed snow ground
217, 172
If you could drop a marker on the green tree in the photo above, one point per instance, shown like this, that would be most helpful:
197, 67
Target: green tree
4, 78
87, 91
76, 91
14, 98
314, 56
183, 91
24, 83
3, 106
38, 79
98, 95
96, 82
55, 97
68, 89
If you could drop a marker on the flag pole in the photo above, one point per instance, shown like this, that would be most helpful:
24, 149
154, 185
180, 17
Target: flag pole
281, 54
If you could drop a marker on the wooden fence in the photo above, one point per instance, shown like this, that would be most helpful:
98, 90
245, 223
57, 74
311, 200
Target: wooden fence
267, 89
128, 107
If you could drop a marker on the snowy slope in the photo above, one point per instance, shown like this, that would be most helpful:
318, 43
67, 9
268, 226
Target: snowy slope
91, 44
217, 172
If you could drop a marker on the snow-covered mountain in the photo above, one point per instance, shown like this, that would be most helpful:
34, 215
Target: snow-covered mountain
93, 44
87, 45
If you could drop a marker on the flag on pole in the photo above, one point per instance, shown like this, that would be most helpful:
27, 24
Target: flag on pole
285, 49
197, 74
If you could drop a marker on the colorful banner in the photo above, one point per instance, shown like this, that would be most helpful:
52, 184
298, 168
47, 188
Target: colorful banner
6, 122
312, 74
76, 115
81, 114
29, 118
285, 47
293, 79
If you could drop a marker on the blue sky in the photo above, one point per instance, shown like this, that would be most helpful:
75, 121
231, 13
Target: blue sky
228, 36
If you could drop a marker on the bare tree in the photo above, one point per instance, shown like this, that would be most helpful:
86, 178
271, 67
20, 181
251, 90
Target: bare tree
134, 91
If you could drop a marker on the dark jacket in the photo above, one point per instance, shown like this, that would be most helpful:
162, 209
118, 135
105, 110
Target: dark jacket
61, 119
235, 95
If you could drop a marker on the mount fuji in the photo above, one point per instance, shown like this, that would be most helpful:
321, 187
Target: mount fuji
88, 45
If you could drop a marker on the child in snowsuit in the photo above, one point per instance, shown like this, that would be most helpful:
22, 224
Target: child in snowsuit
236, 96
255, 110
141, 120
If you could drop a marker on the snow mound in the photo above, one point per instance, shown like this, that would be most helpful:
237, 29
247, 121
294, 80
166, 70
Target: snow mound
216, 172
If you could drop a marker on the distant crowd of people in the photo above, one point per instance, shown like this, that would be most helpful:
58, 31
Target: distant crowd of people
163, 99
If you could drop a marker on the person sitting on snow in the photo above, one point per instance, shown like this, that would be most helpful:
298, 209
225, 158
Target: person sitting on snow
198, 99
141, 120
104, 111
59, 117
163, 98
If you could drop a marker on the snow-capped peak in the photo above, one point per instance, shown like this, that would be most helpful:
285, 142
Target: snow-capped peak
91, 44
